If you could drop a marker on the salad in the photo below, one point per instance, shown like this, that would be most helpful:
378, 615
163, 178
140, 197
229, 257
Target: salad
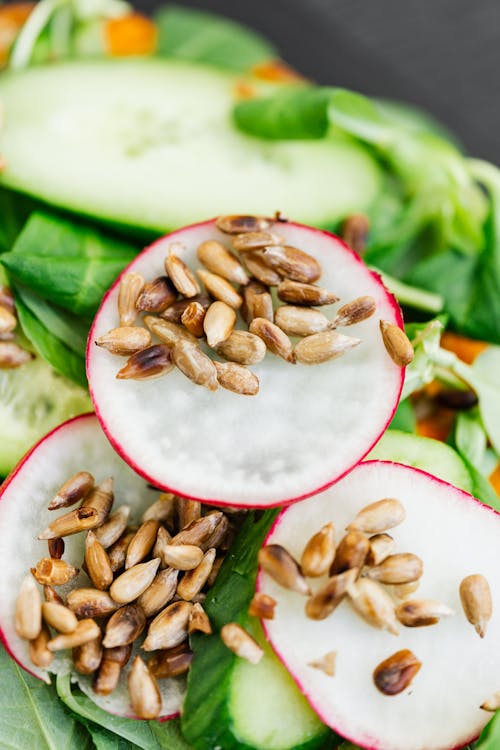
278, 478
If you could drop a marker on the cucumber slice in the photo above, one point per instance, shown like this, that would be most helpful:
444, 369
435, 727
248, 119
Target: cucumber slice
33, 400
423, 453
151, 144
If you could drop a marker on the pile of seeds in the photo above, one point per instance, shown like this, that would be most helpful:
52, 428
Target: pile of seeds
179, 315
147, 580
365, 570
11, 354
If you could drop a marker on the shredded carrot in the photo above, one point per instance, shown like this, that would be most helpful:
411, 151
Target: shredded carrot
276, 71
130, 35
12, 18
495, 479
438, 426
244, 90
466, 349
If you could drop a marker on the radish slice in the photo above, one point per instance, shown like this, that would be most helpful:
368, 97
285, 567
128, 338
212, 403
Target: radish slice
75, 445
455, 536
307, 426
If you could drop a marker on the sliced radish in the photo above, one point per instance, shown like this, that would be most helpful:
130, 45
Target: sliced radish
455, 536
307, 426
75, 445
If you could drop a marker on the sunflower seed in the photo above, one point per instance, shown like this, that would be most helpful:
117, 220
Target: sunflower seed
242, 224
161, 510
131, 286
113, 659
218, 323
399, 568
219, 260
257, 266
257, 302
403, 590
169, 333
97, 563
351, 552
161, 591
198, 620
147, 364
7, 298
354, 312
193, 580
292, 263
274, 338
171, 662
241, 643
475, 595
281, 566
192, 318
113, 528
169, 628
243, 347
237, 378
187, 511
142, 543
219, 535
393, 675
8, 321
163, 539
326, 599
298, 293
181, 556
215, 571
221, 289
262, 606
86, 630
319, 552
415, 613
129, 585
124, 626
59, 617
374, 604
181, 276
354, 232
174, 313
74, 489
10, 336
125, 341
492, 704
397, 343
326, 663
51, 595
87, 657
145, 697
118, 551
381, 546
56, 547
87, 602
101, 499
322, 347
250, 241
300, 321
81, 519
39, 653
53, 572
12, 355
195, 365
379, 516
28, 610
157, 295
199, 532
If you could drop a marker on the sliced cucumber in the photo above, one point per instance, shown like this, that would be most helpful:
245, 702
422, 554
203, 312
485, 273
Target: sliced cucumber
33, 400
424, 453
151, 144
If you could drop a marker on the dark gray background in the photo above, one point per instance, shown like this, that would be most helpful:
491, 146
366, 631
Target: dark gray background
443, 55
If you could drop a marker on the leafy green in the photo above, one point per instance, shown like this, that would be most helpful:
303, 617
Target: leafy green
404, 419
14, 211
490, 736
198, 36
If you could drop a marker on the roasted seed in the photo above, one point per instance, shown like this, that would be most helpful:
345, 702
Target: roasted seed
300, 321
374, 604
12, 355
243, 347
10, 336
28, 610
322, 347
7, 298
97, 563
221, 289
262, 606
354, 312
354, 232
8, 321
171, 662
399, 568
281, 566
113, 528
192, 318
195, 365
215, 571
142, 543
118, 551
87, 602
199, 532
403, 590
73, 522
475, 595
251, 241
113, 659
145, 697
193, 580
53, 572
379, 516
169, 333
56, 547
101, 499
218, 323
219, 536
328, 597
157, 295
124, 626
74, 489
319, 552
242, 224
51, 595
198, 620
492, 704
258, 302
161, 510
163, 539
181, 276
397, 343
131, 286
87, 657
86, 630
152, 362
39, 653
237, 378
351, 553
292, 263
169, 628
393, 675
298, 293
125, 341
241, 643
257, 266
187, 511
161, 591
129, 585
219, 260
326, 663
59, 617
381, 546
174, 313
274, 338
415, 613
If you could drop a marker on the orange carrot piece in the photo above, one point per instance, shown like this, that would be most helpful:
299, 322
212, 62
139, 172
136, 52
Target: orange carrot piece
12, 17
130, 35
466, 349
276, 71
495, 479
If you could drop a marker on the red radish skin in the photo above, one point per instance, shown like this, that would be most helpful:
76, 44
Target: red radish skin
16, 489
121, 438
462, 500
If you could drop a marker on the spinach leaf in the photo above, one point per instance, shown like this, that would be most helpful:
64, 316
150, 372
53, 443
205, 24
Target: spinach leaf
14, 211
198, 36
490, 736
65, 262
404, 419
31, 715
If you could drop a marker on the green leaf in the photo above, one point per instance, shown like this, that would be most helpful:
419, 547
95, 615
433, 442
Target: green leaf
66, 263
14, 211
404, 419
296, 114
470, 436
198, 36
485, 381
31, 715
490, 736
105, 740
